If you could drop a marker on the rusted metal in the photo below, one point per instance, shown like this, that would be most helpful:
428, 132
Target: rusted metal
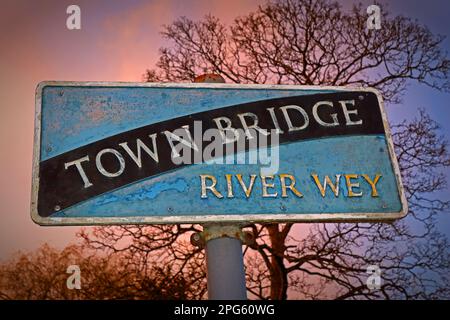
197, 240
214, 231
209, 78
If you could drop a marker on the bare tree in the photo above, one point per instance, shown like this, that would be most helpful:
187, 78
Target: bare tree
43, 275
149, 246
314, 42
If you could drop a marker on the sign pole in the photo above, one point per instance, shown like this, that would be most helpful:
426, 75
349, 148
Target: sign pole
224, 259
225, 263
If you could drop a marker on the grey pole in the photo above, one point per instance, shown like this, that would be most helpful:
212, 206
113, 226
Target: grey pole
225, 263
224, 259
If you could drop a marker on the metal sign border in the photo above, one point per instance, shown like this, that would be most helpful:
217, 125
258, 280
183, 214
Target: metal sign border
198, 219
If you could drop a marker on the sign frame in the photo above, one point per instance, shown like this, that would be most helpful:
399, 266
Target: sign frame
202, 218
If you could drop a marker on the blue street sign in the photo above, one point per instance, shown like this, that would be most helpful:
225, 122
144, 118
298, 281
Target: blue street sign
136, 153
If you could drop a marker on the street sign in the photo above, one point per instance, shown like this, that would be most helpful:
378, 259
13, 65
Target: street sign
137, 153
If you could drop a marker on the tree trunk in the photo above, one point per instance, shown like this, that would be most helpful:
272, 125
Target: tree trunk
278, 273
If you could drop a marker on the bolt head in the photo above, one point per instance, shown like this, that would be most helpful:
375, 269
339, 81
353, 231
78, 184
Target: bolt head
196, 239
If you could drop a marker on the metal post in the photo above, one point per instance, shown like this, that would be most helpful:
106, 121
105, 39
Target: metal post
224, 259
225, 263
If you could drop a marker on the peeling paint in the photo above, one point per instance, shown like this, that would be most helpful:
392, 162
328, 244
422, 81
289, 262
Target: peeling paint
147, 193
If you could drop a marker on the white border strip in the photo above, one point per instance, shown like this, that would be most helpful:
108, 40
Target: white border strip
201, 218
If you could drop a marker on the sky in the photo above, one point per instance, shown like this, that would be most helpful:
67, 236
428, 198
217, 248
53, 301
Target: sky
118, 41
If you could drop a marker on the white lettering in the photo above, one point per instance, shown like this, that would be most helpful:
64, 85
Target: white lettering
102, 170
77, 164
140, 145
288, 119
